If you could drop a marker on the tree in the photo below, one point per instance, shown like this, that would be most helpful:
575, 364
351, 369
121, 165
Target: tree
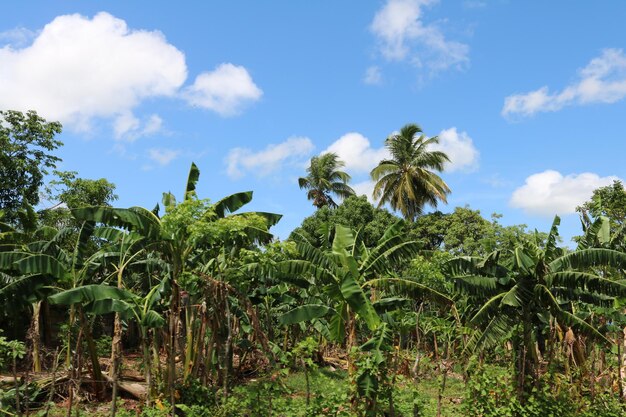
68, 191
356, 285
406, 181
527, 289
324, 178
608, 201
354, 212
25, 143
75, 192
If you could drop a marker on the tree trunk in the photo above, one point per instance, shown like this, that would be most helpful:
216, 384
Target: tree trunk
116, 349
147, 366
35, 335
171, 358
622, 365
93, 355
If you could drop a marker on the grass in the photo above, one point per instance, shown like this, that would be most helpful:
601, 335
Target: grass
284, 394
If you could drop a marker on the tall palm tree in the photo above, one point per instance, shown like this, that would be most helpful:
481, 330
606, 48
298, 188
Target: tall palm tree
406, 181
325, 178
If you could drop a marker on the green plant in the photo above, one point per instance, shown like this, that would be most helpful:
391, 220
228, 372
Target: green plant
193, 392
489, 392
103, 346
303, 353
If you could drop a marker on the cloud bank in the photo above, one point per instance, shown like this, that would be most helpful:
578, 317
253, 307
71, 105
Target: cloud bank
550, 192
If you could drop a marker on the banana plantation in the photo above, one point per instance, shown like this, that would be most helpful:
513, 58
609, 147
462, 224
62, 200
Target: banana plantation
194, 308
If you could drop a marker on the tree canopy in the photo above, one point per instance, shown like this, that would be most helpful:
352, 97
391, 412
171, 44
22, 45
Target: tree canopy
26, 143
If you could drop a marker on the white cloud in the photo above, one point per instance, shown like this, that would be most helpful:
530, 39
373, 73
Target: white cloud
163, 156
373, 76
360, 157
402, 34
272, 158
364, 188
550, 192
129, 128
78, 69
356, 151
460, 149
603, 80
225, 90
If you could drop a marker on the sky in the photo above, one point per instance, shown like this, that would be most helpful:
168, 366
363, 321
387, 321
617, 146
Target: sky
527, 97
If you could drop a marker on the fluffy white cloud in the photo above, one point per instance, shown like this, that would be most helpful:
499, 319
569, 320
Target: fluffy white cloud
402, 34
603, 80
550, 192
293, 151
225, 90
163, 156
360, 157
79, 68
460, 149
373, 76
356, 151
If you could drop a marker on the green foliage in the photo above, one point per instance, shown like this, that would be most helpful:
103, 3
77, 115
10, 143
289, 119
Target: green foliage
103, 346
491, 393
10, 351
407, 180
194, 393
26, 141
609, 201
354, 212
77, 192
325, 178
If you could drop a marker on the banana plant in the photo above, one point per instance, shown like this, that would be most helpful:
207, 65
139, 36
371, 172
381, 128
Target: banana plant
523, 289
58, 261
353, 277
188, 236
105, 299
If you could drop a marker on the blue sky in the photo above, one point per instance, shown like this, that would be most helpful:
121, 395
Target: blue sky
527, 97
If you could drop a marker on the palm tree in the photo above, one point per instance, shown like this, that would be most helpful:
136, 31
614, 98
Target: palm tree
406, 181
324, 178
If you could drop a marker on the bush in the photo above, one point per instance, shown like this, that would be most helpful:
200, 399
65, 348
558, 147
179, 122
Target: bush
490, 393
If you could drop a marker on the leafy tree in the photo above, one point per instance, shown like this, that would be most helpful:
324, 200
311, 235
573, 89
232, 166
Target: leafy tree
608, 202
75, 192
462, 232
467, 232
406, 181
68, 191
26, 141
324, 178
354, 212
